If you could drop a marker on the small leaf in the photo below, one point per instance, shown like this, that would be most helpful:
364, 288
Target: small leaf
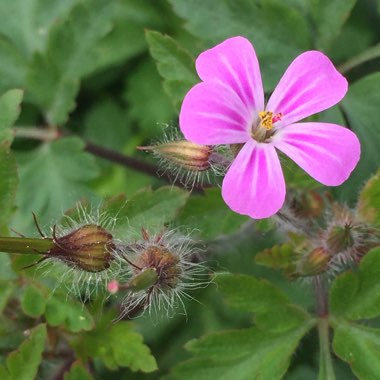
147, 208
59, 181
246, 293
174, 64
9, 113
117, 345
359, 346
54, 76
33, 301
356, 295
369, 200
77, 372
63, 311
23, 363
6, 290
210, 216
244, 355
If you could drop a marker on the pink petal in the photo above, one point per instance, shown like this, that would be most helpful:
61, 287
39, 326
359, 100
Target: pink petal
328, 152
234, 63
254, 185
212, 114
310, 84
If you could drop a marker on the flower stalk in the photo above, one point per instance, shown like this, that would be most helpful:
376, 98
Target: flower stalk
326, 369
25, 245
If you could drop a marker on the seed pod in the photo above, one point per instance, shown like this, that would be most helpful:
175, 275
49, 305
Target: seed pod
339, 238
315, 262
87, 248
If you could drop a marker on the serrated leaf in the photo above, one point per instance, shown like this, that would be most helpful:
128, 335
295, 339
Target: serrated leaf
369, 200
52, 170
23, 363
8, 187
246, 293
281, 257
359, 346
54, 76
66, 312
209, 215
360, 106
33, 302
256, 20
356, 295
147, 208
77, 372
244, 355
174, 64
117, 345
9, 112
329, 17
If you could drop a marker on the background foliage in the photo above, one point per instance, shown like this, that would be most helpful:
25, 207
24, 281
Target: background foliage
114, 72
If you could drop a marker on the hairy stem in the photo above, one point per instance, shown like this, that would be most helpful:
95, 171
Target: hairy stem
366, 55
326, 370
25, 245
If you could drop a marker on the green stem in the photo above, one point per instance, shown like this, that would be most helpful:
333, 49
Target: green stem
367, 55
25, 245
326, 369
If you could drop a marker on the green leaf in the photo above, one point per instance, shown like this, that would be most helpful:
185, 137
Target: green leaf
23, 363
77, 372
276, 28
66, 312
9, 113
369, 200
6, 290
174, 64
144, 92
360, 106
210, 216
117, 345
356, 295
329, 17
147, 208
359, 346
33, 301
8, 187
29, 22
244, 355
54, 76
246, 293
58, 181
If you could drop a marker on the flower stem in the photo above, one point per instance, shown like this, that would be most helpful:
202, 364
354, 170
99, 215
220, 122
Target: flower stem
366, 55
25, 245
326, 370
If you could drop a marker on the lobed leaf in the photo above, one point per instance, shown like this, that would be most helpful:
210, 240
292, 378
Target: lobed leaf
369, 200
23, 363
77, 372
9, 113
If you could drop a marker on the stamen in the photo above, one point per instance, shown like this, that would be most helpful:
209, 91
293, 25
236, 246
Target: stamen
267, 118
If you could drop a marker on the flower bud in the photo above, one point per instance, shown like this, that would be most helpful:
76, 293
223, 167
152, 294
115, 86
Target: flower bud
184, 154
315, 262
339, 238
87, 248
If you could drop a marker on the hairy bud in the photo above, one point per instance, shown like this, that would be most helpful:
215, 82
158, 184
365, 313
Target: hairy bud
315, 262
87, 248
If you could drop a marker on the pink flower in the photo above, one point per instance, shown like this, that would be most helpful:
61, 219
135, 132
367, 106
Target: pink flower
228, 108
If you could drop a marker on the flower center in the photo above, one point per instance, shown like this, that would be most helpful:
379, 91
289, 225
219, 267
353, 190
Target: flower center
264, 129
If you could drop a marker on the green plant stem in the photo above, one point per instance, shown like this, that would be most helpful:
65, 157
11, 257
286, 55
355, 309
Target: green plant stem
326, 370
25, 245
367, 55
